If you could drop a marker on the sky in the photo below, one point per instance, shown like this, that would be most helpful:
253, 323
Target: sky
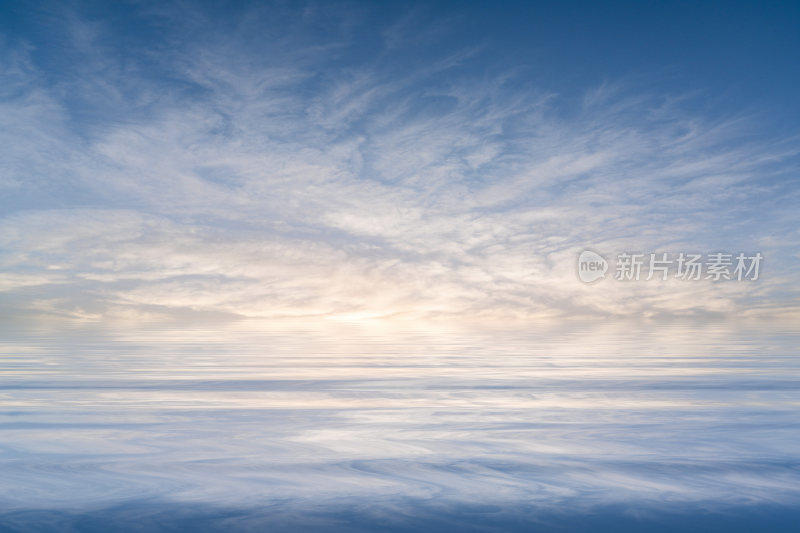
397, 160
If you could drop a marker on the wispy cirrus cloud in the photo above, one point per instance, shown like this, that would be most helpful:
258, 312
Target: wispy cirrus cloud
261, 171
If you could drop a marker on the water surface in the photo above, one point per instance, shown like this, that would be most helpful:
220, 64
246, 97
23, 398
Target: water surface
285, 427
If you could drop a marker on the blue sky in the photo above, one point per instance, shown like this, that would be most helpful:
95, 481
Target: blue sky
393, 160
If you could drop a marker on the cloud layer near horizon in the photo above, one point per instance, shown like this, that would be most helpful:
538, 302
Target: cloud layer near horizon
265, 171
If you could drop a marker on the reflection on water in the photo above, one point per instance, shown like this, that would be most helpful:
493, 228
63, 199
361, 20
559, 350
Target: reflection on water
406, 428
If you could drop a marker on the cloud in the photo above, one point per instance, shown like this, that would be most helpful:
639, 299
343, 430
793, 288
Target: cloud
276, 173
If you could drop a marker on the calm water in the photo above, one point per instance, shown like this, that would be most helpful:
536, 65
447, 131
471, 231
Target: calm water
279, 427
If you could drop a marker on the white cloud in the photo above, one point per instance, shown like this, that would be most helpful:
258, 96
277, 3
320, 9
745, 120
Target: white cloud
286, 188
